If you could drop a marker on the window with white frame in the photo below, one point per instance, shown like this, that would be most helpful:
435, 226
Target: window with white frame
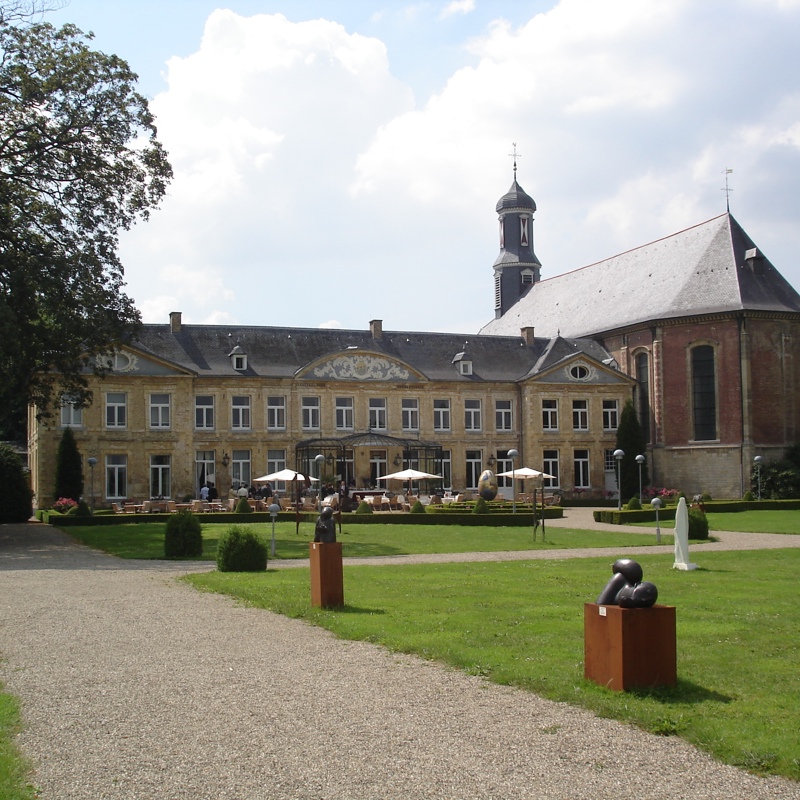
345, 419
71, 412
581, 464
116, 477
472, 415
159, 411
474, 467
550, 415
550, 464
276, 462
309, 413
502, 415
116, 410
441, 415
240, 413
205, 469
504, 464
609, 462
410, 409
580, 415
610, 415
204, 412
377, 414
276, 414
160, 476
240, 467
447, 470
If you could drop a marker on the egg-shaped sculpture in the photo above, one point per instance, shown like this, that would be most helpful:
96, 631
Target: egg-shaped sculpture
487, 485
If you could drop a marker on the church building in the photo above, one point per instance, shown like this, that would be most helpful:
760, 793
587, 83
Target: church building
704, 323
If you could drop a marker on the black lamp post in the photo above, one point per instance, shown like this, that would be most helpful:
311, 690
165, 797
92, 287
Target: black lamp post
640, 461
91, 461
619, 455
320, 460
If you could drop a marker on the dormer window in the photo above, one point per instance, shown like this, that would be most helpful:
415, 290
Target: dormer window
463, 363
238, 358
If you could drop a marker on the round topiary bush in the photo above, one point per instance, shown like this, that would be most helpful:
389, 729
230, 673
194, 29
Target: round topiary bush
241, 550
418, 508
364, 508
15, 500
243, 507
480, 507
634, 504
183, 537
82, 509
698, 524
748, 496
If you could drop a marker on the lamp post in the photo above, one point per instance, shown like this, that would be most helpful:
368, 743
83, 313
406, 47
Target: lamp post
656, 506
273, 512
320, 460
91, 461
512, 454
758, 460
619, 455
640, 461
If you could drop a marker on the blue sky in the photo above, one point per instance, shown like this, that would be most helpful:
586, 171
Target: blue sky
338, 162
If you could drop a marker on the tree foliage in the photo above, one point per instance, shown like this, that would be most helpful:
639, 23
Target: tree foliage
79, 162
630, 440
15, 499
69, 468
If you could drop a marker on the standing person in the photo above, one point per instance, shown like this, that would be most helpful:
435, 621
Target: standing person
242, 491
204, 493
213, 494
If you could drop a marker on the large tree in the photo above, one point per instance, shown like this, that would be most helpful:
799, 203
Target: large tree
79, 162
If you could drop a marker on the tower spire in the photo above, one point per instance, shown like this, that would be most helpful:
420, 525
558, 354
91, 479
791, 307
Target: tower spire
727, 189
514, 156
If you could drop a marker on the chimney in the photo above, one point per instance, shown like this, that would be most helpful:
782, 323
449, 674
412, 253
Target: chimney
376, 328
527, 336
174, 321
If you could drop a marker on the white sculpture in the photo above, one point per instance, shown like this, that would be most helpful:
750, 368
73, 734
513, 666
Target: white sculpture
682, 538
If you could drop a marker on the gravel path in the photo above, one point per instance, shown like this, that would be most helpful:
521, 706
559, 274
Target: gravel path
133, 685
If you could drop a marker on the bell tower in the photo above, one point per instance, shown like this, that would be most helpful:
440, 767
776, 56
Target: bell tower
516, 268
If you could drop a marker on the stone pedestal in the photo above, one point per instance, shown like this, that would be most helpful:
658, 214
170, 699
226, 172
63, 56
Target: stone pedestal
628, 648
327, 585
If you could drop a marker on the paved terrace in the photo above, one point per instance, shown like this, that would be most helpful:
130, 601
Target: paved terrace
134, 687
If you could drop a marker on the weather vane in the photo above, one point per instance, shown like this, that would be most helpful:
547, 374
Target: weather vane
727, 189
514, 155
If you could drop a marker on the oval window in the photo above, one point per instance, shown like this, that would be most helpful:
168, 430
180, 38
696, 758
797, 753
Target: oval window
579, 372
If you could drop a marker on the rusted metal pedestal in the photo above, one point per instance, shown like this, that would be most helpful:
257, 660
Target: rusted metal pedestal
327, 585
629, 648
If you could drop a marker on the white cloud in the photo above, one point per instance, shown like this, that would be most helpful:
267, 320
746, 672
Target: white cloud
457, 7
309, 186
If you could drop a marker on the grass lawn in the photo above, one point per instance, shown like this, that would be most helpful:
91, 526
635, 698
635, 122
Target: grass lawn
14, 770
146, 540
521, 623
745, 521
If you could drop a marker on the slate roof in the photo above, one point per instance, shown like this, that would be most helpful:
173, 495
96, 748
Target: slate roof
515, 197
700, 270
282, 352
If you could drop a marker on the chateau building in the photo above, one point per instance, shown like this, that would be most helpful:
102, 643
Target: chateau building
698, 328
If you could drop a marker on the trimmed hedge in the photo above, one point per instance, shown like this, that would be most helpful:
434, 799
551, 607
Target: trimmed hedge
241, 550
183, 536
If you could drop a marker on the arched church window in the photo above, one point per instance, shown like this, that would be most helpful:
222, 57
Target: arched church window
704, 393
642, 367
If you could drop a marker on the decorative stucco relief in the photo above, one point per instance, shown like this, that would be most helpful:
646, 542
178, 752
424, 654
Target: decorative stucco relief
361, 368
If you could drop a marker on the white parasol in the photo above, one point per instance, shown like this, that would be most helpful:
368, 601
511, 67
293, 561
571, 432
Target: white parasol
409, 475
284, 475
523, 473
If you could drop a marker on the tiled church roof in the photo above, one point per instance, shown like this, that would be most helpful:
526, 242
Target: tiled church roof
701, 270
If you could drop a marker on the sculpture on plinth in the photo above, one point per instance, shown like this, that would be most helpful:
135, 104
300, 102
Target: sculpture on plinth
325, 529
626, 587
